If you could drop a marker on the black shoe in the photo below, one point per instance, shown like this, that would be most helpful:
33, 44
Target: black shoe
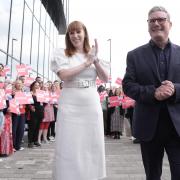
136, 141
37, 144
3, 155
30, 145
115, 137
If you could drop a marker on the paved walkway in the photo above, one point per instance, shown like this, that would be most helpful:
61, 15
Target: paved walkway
122, 156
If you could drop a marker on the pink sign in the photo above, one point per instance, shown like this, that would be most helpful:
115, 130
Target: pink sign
2, 93
54, 97
24, 98
20, 97
99, 82
29, 98
46, 96
28, 81
2, 79
2, 99
2, 103
118, 81
109, 79
21, 70
2, 74
102, 95
127, 102
1, 85
40, 95
114, 101
14, 106
101, 98
7, 70
28, 67
8, 89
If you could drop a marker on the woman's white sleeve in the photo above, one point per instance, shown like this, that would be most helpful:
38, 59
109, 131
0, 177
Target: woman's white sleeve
59, 60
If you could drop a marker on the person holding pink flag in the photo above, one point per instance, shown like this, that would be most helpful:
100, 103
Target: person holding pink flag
18, 120
36, 115
80, 153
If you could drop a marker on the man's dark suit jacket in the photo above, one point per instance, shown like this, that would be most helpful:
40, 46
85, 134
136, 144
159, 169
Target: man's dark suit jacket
140, 81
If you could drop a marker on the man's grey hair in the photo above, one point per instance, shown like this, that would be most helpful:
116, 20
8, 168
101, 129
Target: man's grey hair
159, 8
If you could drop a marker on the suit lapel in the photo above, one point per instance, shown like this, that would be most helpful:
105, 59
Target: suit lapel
150, 58
172, 60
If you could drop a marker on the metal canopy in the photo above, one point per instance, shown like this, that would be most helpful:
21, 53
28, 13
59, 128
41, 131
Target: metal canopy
56, 12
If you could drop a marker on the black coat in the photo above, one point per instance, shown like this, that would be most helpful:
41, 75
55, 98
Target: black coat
140, 81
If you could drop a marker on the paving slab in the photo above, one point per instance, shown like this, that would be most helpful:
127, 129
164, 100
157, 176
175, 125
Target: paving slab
123, 162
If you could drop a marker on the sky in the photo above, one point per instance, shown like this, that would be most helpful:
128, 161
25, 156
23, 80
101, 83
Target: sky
124, 22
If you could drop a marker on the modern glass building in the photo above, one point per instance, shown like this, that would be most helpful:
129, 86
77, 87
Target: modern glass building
28, 33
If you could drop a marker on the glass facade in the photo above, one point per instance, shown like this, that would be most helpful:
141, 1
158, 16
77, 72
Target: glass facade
28, 34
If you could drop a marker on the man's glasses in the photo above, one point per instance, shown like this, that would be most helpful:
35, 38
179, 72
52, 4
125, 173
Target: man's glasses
159, 20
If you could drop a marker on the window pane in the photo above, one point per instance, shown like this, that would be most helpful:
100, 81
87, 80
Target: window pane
16, 28
4, 21
26, 37
41, 52
2, 58
29, 3
37, 9
46, 65
43, 17
34, 53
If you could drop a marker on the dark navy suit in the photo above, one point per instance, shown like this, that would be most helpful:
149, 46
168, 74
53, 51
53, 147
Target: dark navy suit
155, 123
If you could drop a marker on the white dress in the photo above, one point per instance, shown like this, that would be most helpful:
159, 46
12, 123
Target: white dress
80, 153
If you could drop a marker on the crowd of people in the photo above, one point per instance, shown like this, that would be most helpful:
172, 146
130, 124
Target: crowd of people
117, 118
74, 124
37, 117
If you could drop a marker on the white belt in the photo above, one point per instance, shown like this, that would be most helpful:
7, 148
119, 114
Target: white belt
79, 84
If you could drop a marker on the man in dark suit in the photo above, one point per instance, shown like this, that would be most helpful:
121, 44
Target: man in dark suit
152, 79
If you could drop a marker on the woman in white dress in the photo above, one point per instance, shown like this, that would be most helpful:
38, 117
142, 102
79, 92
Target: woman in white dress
80, 153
